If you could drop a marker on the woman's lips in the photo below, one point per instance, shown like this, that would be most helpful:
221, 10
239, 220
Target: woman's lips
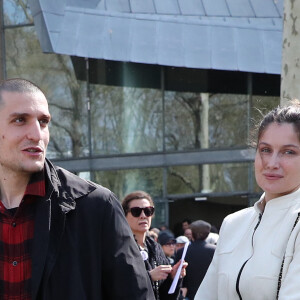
143, 223
271, 176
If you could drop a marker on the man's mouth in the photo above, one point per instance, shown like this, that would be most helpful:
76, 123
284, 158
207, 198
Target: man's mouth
33, 150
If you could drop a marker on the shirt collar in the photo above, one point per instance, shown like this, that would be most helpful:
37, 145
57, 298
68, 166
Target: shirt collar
36, 184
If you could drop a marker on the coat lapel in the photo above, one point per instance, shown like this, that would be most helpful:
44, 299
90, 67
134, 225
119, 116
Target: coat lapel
40, 243
47, 240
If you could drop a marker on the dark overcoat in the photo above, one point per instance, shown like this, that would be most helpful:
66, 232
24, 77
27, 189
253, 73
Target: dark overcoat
83, 247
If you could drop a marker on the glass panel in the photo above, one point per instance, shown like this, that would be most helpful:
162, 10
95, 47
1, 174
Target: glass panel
55, 75
200, 120
160, 216
16, 12
122, 182
214, 178
126, 120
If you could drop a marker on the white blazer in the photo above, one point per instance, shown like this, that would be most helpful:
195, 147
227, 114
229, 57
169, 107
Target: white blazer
260, 250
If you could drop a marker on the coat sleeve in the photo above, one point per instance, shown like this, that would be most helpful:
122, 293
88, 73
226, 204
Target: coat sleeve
124, 275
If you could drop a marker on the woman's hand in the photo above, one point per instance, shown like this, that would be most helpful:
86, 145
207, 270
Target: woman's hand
160, 272
175, 268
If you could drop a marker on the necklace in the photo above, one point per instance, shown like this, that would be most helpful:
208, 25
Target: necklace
144, 252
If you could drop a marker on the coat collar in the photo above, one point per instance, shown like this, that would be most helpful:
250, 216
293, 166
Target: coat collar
67, 186
279, 203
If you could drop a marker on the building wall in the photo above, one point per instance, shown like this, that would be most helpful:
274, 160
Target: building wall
116, 111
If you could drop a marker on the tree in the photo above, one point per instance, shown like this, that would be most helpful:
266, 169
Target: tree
290, 74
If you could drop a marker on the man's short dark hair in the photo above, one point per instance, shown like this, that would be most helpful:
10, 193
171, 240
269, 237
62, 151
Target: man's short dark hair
18, 85
200, 229
189, 221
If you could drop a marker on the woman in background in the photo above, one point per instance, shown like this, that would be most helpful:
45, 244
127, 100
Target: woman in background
258, 252
139, 209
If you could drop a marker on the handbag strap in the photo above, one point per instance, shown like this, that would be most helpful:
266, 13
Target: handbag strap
282, 264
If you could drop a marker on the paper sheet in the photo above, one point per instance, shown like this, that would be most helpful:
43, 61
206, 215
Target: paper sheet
176, 278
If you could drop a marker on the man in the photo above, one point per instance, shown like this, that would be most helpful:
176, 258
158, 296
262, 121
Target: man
61, 237
188, 234
213, 236
198, 256
185, 224
180, 242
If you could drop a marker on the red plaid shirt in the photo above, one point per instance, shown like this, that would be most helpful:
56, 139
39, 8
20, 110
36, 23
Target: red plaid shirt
16, 236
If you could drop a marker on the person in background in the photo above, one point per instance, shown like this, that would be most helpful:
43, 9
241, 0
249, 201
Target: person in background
188, 234
153, 235
198, 256
61, 237
180, 242
185, 224
258, 251
213, 236
156, 230
139, 209
167, 241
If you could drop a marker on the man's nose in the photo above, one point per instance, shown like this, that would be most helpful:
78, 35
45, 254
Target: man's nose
34, 131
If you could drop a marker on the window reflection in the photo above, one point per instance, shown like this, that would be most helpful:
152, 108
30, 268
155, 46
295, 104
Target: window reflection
199, 120
66, 96
126, 120
213, 178
123, 182
16, 12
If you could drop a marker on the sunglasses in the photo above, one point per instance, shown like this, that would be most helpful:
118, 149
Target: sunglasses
170, 244
136, 211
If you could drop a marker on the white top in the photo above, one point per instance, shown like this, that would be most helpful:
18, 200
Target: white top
261, 250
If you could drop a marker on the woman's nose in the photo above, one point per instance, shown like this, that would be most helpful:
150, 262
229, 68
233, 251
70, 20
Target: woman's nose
272, 161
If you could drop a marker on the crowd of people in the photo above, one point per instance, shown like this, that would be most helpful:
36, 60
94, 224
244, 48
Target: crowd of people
162, 251
63, 237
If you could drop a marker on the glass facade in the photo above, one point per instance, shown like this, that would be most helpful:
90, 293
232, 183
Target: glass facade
137, 115
213, 178
126, 120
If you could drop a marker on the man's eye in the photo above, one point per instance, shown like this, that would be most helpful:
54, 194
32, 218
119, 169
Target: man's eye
44, 122
19, 120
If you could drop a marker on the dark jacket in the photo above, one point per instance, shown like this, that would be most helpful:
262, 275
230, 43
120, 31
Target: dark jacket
83, 248
156, 258
198, 256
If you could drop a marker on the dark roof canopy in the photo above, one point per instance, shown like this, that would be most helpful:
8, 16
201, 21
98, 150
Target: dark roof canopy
243, 35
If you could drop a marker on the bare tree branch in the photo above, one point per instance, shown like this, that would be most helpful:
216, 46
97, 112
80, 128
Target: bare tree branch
183, 179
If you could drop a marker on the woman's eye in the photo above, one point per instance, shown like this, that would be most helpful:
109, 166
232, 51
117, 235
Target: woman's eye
289, 152
265, 150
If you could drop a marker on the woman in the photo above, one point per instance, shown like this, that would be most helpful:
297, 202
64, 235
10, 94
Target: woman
139, 209
258, 253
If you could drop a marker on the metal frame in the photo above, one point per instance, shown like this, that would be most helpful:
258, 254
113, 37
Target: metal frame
157, 160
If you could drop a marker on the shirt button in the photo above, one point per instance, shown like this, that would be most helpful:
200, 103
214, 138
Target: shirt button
14, 263
13, 224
